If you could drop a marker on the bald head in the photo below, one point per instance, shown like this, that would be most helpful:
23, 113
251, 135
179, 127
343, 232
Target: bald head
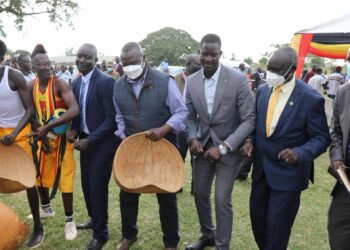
283, 62
132, 54
192, 64
86, 58
133, 46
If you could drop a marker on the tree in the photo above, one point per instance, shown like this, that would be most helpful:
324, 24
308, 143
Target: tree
22, 52
170, 43
279, 45
70, 52
248, 60
58, 11
263, 60
318, 61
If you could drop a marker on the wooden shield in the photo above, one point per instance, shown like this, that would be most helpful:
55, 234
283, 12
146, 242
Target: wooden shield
17, 170
144, 166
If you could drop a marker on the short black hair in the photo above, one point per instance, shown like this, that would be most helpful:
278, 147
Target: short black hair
211, 38
38, 49
3, 49
21, 57
319, 71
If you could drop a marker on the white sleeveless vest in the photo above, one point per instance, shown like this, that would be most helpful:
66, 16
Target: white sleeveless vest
11, 107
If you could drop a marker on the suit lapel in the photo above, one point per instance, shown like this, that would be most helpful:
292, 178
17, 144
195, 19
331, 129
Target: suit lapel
262, 105
201, 94
291, 103
91, 87
77, 88
220, 90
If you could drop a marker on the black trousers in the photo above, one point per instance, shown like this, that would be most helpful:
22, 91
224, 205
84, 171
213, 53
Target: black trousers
96, 169
339, 219
129, 207
183, 146
245, 167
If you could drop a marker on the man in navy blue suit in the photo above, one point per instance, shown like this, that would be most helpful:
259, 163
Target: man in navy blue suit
97, 143
291, 131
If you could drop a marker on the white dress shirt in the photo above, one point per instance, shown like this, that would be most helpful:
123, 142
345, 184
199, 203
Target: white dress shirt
287, 90
210, 88
86, 79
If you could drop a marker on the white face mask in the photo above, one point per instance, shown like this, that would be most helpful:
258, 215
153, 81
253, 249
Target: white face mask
274, 79
133, 71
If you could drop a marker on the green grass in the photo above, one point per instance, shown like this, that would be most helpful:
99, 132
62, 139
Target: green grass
309, 231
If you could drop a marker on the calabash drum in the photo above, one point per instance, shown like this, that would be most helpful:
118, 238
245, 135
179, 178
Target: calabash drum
13, 231
17, 170
144, 166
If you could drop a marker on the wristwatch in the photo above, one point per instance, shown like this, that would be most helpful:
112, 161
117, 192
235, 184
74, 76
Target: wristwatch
223, 150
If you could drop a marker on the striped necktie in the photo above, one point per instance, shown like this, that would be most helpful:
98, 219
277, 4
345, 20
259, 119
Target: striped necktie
271, 108
82, 94
82, 105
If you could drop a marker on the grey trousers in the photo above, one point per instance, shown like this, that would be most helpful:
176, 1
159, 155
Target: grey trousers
225, 174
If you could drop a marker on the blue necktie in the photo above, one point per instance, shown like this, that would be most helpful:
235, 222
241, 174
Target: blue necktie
82, 104
82, 93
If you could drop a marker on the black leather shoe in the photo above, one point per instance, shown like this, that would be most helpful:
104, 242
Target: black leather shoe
95, 244
201, 244
125, 244
36, 238
87, 225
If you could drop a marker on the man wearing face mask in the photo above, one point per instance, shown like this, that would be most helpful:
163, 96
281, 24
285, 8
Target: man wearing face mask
291, 131
111, 71
161, 111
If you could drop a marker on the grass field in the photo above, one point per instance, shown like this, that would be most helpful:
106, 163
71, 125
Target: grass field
309, 231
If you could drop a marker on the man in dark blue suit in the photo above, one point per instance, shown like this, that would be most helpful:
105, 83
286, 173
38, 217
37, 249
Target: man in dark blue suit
291, 131
97, 143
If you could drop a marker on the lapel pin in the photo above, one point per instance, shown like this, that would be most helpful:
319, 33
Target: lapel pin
291, 103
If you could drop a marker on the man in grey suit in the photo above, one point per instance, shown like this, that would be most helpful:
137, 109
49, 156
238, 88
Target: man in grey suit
221, 116
339, 153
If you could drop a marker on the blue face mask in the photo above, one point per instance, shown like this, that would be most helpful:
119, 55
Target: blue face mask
109, 69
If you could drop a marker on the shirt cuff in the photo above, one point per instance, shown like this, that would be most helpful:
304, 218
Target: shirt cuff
120, 134
228, 145
175, 128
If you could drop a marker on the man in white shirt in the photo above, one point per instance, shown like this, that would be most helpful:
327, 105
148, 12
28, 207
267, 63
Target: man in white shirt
317, 81
334, 81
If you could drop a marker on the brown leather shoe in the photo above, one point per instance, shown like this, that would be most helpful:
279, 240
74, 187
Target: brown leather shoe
124, 244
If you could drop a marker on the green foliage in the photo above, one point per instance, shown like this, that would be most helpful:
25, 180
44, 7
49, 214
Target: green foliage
70, 52
248, 60
58, 11
279, 45
317, 60
170, 43
263, 61
22, 52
